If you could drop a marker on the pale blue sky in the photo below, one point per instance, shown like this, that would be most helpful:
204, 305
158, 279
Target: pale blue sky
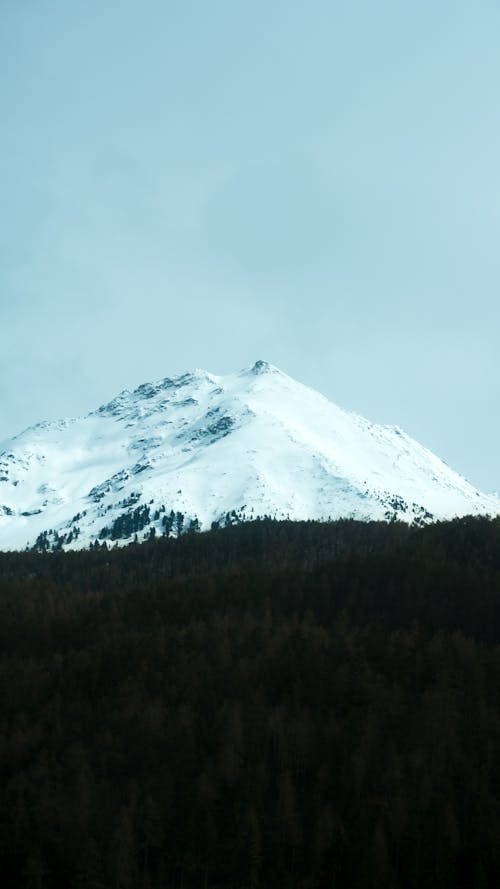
203, 184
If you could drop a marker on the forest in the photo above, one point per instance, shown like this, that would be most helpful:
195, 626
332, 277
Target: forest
272, 704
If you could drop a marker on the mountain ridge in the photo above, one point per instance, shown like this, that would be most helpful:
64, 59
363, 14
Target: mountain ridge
194, 450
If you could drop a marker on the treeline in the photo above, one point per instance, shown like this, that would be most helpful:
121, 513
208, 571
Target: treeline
273, 704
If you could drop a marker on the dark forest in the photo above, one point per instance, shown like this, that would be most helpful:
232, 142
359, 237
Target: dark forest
274, 704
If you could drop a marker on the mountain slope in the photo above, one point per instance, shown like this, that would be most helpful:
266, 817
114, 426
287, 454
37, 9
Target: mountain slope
197, 449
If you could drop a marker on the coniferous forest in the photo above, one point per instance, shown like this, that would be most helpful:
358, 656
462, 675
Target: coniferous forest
274, 704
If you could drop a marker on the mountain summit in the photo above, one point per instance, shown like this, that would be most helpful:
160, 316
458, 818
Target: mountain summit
197, 449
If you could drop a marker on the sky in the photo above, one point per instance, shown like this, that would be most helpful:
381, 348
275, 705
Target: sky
189, 184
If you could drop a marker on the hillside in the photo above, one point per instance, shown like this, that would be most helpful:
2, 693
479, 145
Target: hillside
273, 704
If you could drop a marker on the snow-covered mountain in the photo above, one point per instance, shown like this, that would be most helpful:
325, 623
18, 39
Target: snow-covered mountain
186, 452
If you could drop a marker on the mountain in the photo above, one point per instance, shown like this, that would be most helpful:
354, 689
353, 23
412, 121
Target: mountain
198, 449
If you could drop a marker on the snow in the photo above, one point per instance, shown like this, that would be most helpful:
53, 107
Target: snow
256, 442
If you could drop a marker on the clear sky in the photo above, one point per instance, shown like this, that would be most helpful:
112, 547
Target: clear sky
186, 183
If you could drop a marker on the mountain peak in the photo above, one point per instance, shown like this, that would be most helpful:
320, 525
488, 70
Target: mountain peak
196, 449
260, 368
